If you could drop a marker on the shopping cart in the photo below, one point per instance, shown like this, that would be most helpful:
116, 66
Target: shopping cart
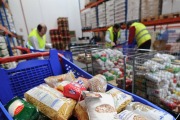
31, 73
67, 54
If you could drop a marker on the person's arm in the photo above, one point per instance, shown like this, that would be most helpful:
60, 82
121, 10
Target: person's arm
34, 42
132, 31
107, 38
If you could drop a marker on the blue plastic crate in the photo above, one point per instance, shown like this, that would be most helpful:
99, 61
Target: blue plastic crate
28, 74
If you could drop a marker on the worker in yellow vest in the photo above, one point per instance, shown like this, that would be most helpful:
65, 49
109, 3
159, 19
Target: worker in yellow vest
113, 36
140, 33
37, 38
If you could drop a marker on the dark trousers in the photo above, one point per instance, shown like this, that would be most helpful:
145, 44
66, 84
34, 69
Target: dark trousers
146, 45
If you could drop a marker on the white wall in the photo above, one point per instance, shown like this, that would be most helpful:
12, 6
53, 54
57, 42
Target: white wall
47, 12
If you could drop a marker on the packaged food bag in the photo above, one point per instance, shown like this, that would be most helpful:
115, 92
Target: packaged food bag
129, 115
69, 77
74, 91
81, 111
148, 112
82, 81
47, 102
21, 110
121, 100
98, 83
52, 81
62, 84
101, 108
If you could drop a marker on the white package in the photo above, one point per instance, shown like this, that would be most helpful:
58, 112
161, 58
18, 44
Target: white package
101, 108
148, 112
157, 92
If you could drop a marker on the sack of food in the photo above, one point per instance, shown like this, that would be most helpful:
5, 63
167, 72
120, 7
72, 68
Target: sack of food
18, 107
81, 111
98, 83
148, 112
74, 91
82, 81
121, 100
101, 108
62, 84
53, 81
129, 115
47, 102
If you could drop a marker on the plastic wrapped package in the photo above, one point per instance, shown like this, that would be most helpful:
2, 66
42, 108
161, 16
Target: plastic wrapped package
153, 66
74, 90
148, 112
121, 100
141, 93
18, 107
3, 53
101, 108
62, 84
165, 57
129, 115
69, 77
3, 46
50, 104
2, 40
142, 68
98, 83
81, 111
163, 92
154, 85
82, 81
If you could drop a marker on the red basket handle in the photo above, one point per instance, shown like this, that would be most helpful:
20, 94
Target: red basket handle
22, 49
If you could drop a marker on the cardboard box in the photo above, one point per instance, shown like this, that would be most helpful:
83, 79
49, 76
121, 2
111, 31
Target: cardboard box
159, 45
176, 6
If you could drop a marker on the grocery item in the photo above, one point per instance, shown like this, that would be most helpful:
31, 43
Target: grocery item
101, 108
129, 115
21, 110
82, 81
62, 84
50, 104
148, 112
3, 53
74, 90
98, 83
162, 92
81, 111
53, 81
121, 100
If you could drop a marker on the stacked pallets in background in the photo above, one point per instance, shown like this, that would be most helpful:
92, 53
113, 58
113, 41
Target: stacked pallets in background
60, 37
110, 13
93, 18
83, 20
120, 11
133, 10
102, 15
88, 19
150, 10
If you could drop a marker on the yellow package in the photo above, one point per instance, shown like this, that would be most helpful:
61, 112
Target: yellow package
47, 102
81, 111
121, 100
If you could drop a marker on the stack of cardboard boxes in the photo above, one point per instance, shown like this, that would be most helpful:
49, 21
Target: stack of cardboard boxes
102, 15
83, 20
120, 11
93, 18
110, 13
170, 6
134, 10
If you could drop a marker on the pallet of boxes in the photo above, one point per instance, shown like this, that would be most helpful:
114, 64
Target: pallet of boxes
60, 37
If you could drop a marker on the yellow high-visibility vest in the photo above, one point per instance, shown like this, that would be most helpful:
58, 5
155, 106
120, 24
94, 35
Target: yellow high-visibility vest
142, 35
41, 41
112, 36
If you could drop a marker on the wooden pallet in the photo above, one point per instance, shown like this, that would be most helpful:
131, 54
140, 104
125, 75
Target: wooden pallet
171, 15
150, 19
89, 4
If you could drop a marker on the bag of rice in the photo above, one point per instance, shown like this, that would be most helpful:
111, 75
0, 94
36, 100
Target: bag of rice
98, 83
128, 115
81, 111
121, 100
53, 81
47, 102
101, 108
148, 112
82, 81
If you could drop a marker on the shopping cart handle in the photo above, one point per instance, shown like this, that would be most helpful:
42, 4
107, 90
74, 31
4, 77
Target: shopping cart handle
121, 44
22, 49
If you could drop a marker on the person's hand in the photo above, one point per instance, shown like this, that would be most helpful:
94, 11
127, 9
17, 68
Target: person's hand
112, 43
117, 42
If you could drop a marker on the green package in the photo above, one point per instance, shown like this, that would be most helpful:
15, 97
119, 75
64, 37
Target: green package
176, 70
111, 78
21, 110
107, 78
96, 56
103, 59
117, 58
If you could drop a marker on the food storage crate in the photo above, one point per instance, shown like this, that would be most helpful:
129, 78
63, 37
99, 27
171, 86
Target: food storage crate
31, 73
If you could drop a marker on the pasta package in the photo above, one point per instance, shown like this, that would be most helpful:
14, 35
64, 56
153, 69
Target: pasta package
47, 102
82, 81
62, 84
101, 108
148, 112
98, 83
81, 111
121, 100
128, 115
